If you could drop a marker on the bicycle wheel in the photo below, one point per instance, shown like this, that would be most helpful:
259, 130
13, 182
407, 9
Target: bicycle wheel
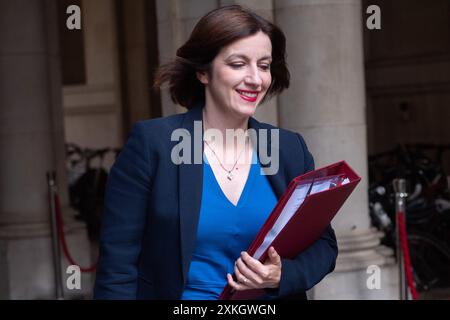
430, 261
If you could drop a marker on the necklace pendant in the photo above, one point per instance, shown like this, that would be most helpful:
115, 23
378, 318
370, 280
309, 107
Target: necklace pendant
230, 176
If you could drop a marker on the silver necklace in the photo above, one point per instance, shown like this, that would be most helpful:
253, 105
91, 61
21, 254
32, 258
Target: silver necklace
229, 172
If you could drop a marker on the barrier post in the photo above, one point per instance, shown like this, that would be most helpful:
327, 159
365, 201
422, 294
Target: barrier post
59, 292
400, 206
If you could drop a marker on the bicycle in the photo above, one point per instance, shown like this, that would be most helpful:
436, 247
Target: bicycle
87, 185
427, 208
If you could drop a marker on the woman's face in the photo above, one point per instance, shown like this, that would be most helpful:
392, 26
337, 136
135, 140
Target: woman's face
240, 75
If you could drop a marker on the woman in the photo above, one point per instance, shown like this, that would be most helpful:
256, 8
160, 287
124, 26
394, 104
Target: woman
176, 226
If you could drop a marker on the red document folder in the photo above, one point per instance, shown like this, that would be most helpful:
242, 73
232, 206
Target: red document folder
306, 225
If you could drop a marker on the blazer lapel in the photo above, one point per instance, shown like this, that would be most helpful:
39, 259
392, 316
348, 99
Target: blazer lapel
190, 194
277, 181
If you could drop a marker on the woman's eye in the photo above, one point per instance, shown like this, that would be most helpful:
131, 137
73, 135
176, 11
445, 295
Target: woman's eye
264, 67
236, 65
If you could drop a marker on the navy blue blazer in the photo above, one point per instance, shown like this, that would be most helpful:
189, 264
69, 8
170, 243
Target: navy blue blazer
152, 210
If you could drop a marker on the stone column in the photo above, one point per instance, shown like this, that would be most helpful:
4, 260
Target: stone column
135, 59
31, 143
326, 104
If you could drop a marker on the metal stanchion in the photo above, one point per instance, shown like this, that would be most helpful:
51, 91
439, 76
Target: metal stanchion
400, 206
59, 292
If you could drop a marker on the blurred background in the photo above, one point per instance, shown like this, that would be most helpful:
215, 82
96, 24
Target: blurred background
370, 85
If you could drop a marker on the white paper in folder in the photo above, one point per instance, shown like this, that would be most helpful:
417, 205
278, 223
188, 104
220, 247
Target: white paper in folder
296, 199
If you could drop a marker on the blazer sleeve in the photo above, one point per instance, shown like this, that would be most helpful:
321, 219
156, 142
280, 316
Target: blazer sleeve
312, 265
127, 193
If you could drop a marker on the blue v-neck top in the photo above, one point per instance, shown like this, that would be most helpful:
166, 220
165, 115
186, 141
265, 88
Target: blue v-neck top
225, 230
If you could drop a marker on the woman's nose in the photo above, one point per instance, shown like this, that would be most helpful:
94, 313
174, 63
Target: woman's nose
253, 77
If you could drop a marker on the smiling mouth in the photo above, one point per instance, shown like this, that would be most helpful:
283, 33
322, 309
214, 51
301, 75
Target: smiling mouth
248, 95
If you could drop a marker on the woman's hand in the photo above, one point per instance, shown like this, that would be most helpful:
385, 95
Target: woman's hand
252, 274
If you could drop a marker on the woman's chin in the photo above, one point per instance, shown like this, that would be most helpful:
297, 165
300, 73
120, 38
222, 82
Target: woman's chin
247, 110
247, 113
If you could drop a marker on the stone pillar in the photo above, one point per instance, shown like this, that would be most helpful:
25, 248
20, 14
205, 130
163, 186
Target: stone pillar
135, 59
326, 104
31, 143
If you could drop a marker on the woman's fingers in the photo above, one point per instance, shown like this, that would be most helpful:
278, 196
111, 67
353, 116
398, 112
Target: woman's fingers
236, 285
274, 257
239, 276
249, 271
255, 266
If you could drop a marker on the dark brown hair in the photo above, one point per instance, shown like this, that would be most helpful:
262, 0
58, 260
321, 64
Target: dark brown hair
214, 31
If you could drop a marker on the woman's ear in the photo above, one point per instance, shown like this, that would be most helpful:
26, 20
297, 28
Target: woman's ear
203, 77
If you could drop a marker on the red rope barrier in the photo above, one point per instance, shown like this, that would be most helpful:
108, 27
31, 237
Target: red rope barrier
405, 249
62, 237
